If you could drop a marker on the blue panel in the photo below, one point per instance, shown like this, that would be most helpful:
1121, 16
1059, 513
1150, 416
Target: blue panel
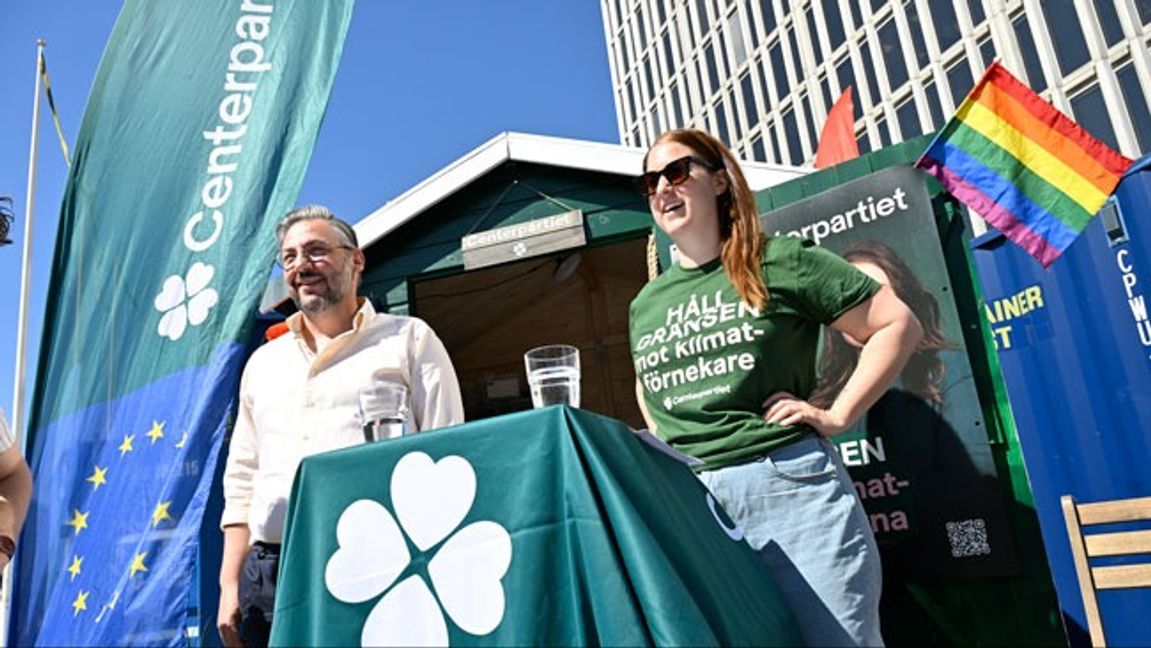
1075, 348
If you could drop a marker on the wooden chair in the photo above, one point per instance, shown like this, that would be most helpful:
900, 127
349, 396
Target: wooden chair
1117, 543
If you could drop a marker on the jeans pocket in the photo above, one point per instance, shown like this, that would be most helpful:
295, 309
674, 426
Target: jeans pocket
807, 461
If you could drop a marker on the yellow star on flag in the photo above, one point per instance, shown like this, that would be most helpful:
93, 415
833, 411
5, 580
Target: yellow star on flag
99, 478
138, 564
74, 569
161, 513
81, 603
157, 432
126, 446
79, 521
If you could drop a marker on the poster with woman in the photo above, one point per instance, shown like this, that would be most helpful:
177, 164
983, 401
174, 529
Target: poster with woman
920, 458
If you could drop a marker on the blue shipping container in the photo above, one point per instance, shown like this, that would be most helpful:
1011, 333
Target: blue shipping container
1074, 343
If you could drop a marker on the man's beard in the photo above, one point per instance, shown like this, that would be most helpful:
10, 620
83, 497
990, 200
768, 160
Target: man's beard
317, 302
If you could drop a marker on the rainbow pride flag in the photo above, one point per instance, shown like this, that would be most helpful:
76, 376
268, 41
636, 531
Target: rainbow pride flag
1022, 165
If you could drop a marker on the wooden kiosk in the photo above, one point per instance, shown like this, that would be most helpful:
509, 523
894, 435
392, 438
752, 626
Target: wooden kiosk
524, 241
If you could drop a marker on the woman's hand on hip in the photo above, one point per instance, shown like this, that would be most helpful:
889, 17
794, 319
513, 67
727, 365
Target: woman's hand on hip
783, 408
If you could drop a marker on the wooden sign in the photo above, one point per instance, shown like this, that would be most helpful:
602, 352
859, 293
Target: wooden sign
524, 240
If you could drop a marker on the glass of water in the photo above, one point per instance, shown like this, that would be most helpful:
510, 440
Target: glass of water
553, 375
384, 410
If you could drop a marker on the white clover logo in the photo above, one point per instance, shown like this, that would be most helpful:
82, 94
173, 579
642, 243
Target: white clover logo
430, 500
192, 289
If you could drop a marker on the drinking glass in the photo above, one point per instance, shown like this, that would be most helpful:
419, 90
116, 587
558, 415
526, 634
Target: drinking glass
553, 375
384, 410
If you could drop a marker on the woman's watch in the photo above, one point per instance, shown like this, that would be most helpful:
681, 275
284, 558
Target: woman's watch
7, 545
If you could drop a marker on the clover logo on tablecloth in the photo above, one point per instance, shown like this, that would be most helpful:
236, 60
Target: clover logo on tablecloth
430, 499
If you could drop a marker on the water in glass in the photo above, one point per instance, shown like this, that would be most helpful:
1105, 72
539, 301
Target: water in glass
554, 386
554, 375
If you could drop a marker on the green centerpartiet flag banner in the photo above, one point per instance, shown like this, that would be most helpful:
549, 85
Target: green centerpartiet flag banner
549, 527
196, 137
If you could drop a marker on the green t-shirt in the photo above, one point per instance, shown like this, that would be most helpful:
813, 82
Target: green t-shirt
707, 361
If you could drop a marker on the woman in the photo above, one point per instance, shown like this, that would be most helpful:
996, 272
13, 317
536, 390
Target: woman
724, 347
925, 371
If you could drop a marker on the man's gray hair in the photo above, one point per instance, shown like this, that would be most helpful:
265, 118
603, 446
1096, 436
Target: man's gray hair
315, 212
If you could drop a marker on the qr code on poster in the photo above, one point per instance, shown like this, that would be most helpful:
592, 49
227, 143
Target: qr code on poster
968, 538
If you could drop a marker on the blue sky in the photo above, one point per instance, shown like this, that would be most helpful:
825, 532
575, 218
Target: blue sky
420, 84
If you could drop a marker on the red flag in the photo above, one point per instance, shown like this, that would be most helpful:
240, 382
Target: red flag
837, 141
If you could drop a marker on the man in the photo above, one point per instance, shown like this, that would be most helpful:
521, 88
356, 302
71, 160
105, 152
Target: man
15, 478
299, 396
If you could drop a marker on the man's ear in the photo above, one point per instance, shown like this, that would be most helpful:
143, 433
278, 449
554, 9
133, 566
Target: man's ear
359, 261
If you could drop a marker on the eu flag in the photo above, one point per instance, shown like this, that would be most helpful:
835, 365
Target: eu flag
196, 137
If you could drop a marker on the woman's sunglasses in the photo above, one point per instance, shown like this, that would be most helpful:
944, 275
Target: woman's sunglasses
676, 172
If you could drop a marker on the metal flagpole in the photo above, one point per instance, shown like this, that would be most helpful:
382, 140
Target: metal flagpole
22, 327
26, 273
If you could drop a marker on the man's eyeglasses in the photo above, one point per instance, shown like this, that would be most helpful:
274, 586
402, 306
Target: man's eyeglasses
314, 252
676, 172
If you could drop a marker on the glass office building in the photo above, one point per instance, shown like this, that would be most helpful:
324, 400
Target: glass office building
762, 74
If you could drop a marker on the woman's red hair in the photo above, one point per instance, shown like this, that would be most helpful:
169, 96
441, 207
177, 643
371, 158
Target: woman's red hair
742, 238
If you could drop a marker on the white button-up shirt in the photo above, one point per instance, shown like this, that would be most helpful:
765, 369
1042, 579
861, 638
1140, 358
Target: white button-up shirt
295, 403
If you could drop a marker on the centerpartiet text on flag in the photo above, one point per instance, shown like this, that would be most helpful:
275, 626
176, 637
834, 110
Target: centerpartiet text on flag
246, 62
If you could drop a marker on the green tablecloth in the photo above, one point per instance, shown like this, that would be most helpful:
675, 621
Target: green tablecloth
547, 527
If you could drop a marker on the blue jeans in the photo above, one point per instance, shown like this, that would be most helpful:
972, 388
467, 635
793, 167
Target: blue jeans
798, 509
